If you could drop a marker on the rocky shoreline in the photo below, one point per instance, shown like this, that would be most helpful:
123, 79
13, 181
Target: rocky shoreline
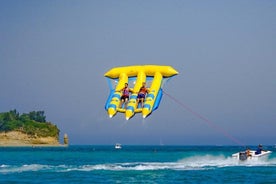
19, 139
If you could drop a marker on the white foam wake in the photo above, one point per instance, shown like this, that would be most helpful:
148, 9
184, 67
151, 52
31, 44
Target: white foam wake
190, 163
222, 161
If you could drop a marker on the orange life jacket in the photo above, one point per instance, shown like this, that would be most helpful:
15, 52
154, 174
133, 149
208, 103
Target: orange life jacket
143, 90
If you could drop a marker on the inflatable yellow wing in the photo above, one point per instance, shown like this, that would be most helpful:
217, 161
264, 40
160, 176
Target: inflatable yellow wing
138, 74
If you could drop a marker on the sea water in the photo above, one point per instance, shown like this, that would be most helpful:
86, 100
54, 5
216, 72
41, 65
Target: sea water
133, 164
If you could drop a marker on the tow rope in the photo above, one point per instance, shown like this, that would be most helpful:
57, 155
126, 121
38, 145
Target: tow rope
205, 120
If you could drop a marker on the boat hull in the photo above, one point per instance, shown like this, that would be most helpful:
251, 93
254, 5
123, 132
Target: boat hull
242, 155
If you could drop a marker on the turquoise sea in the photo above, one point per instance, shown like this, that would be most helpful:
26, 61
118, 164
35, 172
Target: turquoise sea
133, 164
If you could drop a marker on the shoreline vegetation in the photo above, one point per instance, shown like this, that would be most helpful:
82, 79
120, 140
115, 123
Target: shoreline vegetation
28, 130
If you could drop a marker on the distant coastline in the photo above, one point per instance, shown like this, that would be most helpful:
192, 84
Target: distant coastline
28, 129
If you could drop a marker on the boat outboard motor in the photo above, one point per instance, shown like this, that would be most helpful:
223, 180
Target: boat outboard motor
242, 156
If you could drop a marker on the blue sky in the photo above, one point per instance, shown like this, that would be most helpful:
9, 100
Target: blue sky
53, 56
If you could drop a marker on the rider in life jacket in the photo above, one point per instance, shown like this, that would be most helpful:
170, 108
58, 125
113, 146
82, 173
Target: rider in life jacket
125, 96
142, 94
259, 149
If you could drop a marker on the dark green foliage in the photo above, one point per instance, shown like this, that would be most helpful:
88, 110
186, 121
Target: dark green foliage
37, 116
33, 123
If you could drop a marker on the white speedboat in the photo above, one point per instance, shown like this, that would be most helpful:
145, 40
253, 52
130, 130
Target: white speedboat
118, 146
250, 154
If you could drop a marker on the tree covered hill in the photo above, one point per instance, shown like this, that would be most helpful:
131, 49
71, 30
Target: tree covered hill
33, 123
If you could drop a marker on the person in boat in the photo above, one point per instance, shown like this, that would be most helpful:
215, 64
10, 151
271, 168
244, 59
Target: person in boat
125, 96
248, 154
142, 94
259, 149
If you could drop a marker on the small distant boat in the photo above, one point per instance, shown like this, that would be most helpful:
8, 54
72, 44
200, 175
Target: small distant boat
251, 154
118, 146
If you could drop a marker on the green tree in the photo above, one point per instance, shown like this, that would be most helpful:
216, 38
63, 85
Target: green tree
14, 114
37, 116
